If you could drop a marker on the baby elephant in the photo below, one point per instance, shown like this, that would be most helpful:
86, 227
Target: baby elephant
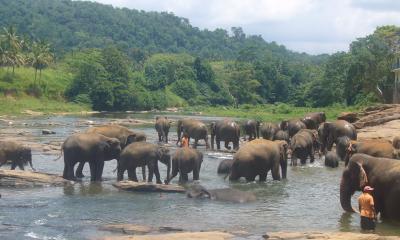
223, 194
16, 153
185, 161
332, 160
225, 166
140, 154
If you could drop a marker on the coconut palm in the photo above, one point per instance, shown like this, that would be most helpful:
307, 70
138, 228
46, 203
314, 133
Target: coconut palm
12, 46
40, 57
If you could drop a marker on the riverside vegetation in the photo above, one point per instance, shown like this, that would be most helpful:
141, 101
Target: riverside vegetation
121, 59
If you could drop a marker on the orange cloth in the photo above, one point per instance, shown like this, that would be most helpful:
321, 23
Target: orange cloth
366, 203
185, 142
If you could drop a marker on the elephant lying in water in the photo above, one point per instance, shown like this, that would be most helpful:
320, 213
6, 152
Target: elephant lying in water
223, 194
382, 174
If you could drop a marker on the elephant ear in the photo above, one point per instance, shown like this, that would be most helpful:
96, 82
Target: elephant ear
113, 142
358, 174
130, 139
157, 118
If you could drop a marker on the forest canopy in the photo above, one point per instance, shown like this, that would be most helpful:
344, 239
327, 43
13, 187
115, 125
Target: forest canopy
122, 59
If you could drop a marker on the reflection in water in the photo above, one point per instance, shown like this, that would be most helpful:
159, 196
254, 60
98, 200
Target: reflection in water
307, 200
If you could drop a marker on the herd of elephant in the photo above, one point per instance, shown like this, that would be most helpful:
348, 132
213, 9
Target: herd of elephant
267, 148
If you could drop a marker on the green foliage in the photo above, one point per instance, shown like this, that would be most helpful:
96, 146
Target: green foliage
186, 89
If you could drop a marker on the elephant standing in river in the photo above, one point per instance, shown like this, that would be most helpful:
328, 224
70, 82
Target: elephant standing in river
332, 160
123, 134
329, 132
292, 126
89, 147
382, 174
194, 128
223, 194
251, 128
225, 166
302, 145
227, 131
18, 154
281, 135
257, 158
184, 161
313, 120
140, 154
162, 127
268, 130
373, 147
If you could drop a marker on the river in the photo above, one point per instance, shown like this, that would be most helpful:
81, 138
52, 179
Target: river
307, 200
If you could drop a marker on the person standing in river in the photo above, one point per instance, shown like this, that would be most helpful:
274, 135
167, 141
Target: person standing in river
367, 209
185, 140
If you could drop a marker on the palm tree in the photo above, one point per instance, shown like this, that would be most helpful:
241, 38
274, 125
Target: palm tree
12, 48
40, 57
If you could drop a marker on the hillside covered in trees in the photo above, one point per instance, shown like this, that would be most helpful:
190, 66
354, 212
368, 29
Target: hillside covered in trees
122, 59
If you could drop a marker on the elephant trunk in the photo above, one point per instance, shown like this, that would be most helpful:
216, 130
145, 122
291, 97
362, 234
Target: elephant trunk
212, 141
168, 171
346, 192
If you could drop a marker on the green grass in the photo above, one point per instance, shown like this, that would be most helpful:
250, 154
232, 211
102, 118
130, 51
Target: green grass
13, 106
269, 112
19, 91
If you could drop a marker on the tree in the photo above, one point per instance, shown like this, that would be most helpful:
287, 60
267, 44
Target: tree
40, 57
12, 48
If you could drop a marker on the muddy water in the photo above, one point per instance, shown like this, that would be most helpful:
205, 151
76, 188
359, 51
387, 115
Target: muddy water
307, 200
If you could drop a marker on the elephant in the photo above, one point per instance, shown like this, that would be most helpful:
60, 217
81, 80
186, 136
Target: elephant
227, 131
184, 161
194, 128
89, 147
162, 126
123, 134
225, 166
313, 120
342, 143
18, 154
292, 126
329, 132
396, 142
268, 130
257, 158
302, 146
281, 135
223, 194
251, 128
332, 159
382, 174
140, 154
373, 147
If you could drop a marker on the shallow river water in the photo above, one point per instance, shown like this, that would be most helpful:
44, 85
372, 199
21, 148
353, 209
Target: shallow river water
307, 200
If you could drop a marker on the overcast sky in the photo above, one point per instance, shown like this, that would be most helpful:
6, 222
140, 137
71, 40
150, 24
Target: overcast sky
312, 26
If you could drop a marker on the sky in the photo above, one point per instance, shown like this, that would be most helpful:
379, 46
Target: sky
311, 26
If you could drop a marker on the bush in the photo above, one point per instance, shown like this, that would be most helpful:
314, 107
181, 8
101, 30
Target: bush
83, 99
102, 96
282, 108
186, 89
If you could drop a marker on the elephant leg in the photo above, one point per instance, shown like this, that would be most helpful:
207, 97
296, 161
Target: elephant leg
236, 145
227, 145
312, 158
79, 169
157, 173
21, 166
13, 165
196, 141
93, 169
196, 174
159, 137
120, 174
263, 177
173, 174
166, 137
184, 177
303, 160
218, 142
143, 173
206, 140
99, 170
132, 174
251, 178
151, 172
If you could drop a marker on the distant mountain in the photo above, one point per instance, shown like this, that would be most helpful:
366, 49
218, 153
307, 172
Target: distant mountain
73, 25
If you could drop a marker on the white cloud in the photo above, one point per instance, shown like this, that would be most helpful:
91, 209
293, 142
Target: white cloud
313, 26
